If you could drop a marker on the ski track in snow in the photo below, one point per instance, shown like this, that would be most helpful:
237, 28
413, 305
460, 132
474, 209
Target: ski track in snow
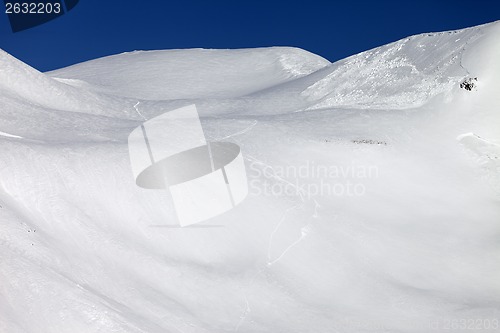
11, 135
136, 107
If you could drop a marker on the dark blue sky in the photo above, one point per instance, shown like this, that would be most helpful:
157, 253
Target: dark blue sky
96, 28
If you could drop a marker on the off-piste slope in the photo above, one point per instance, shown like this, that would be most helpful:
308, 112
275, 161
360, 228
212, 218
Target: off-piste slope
193, 73
95, 89
23, 84
373, 203
401, 75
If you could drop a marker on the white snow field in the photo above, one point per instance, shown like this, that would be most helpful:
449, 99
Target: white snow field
373, 206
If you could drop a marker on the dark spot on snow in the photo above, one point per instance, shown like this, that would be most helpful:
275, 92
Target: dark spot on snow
468, 83
331, 140
369, 142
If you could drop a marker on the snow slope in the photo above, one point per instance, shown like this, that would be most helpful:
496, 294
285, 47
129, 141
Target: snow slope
181, 74
373, 206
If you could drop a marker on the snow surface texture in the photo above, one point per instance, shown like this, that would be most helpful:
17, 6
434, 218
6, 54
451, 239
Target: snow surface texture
415, 249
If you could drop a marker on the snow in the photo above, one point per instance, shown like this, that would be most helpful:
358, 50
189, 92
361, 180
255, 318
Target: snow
193, 73
373, 204
10, 135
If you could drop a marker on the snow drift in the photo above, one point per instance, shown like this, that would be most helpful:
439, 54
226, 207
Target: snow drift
373, 205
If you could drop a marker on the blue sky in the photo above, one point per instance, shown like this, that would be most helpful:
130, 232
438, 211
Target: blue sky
96, 28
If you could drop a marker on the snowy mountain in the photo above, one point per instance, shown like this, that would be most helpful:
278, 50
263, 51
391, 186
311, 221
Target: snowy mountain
373, 206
